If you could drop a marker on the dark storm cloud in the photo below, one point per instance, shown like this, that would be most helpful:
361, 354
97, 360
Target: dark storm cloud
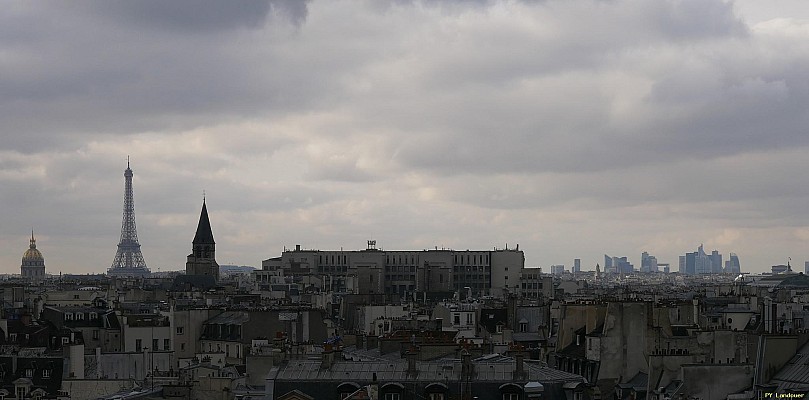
134, 77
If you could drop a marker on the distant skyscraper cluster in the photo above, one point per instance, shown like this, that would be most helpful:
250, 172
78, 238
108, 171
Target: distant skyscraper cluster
732, 265
648, 263
617, 265
700, 263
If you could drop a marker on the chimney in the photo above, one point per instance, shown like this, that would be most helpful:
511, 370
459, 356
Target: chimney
519, 368
338, 353
328, 357
467, 369
373, 388
411, 361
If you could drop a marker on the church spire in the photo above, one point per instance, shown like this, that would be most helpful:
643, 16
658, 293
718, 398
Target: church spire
33, 244
204, 234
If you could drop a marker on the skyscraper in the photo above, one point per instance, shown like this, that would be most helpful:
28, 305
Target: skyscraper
128, 259
732, 265
699, 262
608, 268
576, 265
716, 262
617, 265
648, 263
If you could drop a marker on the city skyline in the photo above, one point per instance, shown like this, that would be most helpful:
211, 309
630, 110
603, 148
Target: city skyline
574, 129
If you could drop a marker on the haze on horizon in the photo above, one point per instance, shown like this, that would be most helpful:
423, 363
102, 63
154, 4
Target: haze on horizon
572, 128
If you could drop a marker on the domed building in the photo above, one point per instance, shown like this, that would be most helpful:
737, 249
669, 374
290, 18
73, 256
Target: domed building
33, 264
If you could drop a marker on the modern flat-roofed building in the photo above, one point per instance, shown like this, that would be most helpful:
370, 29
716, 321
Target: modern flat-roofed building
403, 272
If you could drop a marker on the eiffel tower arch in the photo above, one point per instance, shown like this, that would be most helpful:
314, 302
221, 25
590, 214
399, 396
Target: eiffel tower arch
128, 259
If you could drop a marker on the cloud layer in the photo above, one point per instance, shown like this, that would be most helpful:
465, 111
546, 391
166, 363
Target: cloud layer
574, 128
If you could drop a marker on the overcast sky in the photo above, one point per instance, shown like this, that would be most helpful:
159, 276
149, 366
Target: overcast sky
572, 128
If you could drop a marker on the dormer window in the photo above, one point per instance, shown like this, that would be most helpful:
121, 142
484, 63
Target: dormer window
29, 373
68, 316
93, 316
46, 373
80, 316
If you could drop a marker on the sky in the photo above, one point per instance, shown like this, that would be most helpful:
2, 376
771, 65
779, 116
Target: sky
574, 128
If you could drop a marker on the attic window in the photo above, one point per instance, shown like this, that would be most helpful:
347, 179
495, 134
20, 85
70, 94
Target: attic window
68, 316
93, 316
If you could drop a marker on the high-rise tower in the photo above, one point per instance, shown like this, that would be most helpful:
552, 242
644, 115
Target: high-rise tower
128, 260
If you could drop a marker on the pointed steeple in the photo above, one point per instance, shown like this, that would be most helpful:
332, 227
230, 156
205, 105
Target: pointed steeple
33, 244
204, 234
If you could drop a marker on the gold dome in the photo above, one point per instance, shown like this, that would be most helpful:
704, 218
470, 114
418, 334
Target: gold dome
32, 254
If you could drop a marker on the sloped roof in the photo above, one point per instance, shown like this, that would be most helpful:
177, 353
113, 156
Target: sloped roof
794, 376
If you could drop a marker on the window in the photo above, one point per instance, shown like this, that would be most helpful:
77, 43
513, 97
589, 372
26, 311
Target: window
29, 373
138, 344
79, 316
93, 316
46, 373
179, 330
95, 334
166, 344
435, 396
393, 396
511, 396
182, 346
68, 316
155, 343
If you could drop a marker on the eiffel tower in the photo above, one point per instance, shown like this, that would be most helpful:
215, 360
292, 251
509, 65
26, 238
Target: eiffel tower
128, 260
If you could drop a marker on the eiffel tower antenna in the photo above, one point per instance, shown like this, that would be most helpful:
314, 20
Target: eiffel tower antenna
128, 259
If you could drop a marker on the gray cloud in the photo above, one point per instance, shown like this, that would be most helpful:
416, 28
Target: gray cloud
572, 127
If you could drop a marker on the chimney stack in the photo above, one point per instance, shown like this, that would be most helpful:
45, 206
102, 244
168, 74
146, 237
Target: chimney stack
411, 361
328, 357
519, 368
